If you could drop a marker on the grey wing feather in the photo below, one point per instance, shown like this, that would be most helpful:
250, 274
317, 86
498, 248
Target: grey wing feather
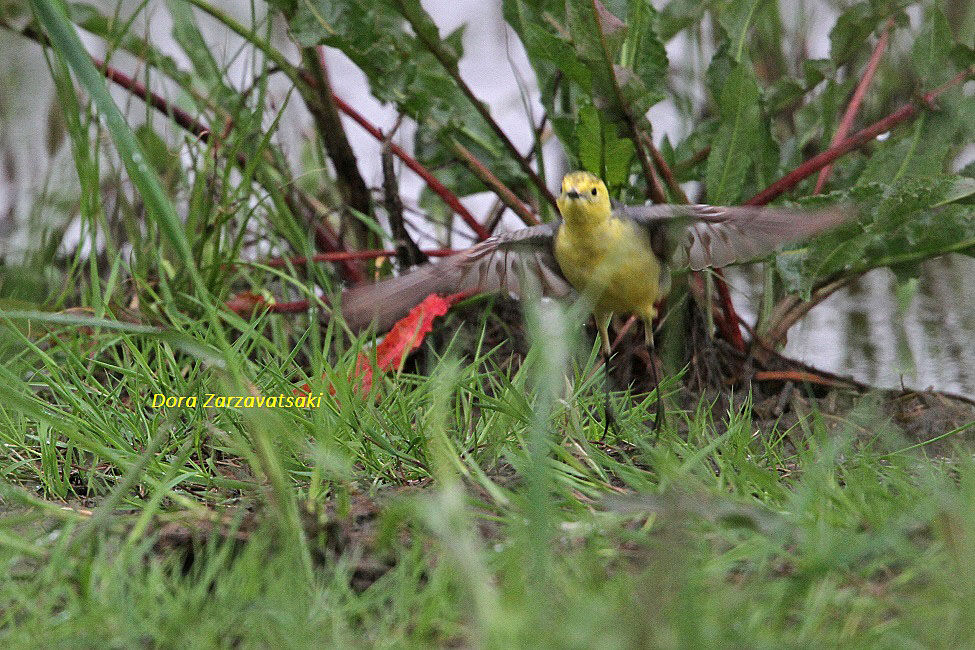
496, 264
706, 235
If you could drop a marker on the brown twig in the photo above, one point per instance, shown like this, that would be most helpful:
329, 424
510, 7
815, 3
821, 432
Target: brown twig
798, 376
667, 173
355, 193
854, 107
407, 252
450, 66
182, 118
244, 305
488, 178
435, 185
694, 161
814, 164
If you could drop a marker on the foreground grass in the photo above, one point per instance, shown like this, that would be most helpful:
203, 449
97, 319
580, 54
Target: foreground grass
468, 506
469, 503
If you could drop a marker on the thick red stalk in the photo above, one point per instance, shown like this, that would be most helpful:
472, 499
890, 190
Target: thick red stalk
859, 138
350, 255
846, 123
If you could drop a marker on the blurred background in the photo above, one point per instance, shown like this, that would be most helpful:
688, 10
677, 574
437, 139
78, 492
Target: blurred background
921, 339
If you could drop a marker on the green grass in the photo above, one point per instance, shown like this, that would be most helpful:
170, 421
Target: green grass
467, 505
473, 500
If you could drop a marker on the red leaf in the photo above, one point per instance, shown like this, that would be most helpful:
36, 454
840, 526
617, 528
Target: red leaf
405, 336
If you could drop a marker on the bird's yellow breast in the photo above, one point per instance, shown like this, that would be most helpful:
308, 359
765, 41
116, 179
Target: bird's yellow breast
610, 261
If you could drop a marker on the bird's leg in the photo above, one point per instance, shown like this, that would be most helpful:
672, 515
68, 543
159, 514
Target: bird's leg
602, 322
648, 334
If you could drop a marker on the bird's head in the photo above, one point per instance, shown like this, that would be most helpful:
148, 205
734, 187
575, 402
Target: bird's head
584, 198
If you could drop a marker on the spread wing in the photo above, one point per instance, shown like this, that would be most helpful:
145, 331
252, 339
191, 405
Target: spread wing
706, 235
497, 264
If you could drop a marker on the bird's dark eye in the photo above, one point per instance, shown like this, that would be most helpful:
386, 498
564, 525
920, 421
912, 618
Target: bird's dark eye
595, 191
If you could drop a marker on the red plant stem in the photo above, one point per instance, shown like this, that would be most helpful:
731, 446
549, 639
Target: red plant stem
246, 306
851, 111
350, 255
797, 376
325, 235
730, 323
137, 88
859, 138
438, 188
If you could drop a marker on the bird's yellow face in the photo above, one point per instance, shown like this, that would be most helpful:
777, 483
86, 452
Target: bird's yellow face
584, 198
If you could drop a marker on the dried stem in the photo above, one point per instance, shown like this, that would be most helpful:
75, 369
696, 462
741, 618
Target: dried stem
854, 107
798, 376
245, 304
355, 193
435, 185
792, 309
407, 252
488, 178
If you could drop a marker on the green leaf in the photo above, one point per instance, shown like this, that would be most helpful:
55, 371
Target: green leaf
546, 46
601, 150
551, 54
898, 226
932, 49
818, 118
905, 292
186, 32
851, 31
643, 51
55, 21
164, 161
735, 18
596, 32
738, 136
589, 136
402, 70
678, 15
922, 150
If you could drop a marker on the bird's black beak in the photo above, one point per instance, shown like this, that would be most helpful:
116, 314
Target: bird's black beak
573, 194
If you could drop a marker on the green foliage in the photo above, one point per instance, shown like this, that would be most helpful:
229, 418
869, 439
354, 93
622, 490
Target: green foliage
734, 146
897, 226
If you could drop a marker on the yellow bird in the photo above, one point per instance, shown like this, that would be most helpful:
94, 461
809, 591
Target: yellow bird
619, 257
